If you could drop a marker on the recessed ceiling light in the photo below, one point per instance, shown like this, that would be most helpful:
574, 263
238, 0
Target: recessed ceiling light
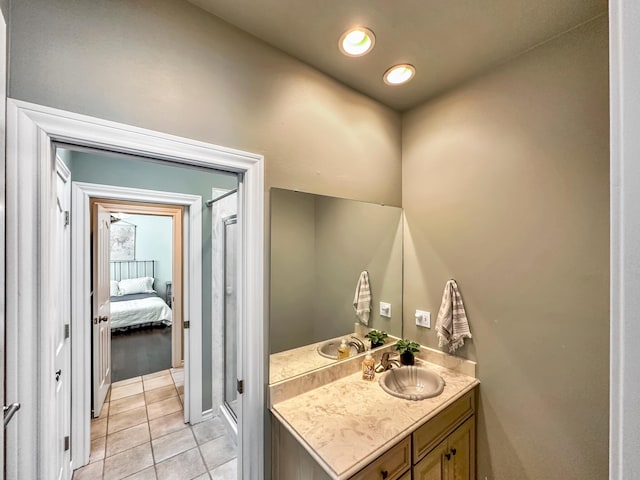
399, 74
357, 41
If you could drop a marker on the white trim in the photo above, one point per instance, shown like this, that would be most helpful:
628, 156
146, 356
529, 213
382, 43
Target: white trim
624, 418
31, 133
192, 272
3, 181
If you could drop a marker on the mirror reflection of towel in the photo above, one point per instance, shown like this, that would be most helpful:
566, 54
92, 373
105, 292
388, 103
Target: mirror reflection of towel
362, 298
452, 325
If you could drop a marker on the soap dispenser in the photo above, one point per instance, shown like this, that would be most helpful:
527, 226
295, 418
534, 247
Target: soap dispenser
368, 368
343, 350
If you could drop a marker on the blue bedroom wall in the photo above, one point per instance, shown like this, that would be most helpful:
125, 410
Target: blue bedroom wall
154, 241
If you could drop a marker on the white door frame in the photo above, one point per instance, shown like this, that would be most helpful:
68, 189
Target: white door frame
32, 131
81, 303
3, 97
624, 75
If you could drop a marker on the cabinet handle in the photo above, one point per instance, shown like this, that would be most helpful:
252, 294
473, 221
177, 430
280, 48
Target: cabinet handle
453, 451
384, 474
448, 455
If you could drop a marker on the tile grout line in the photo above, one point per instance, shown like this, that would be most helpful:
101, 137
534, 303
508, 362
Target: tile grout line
146, 409
148, 422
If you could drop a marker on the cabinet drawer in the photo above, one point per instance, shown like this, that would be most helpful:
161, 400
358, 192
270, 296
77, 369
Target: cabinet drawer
431, 433
389, 466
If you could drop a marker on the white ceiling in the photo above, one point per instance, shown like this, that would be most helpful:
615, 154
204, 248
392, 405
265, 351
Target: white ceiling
447, 41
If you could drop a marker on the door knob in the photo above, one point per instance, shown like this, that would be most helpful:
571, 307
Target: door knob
103, 318
448, 455
58, 373
453, 451
384, 474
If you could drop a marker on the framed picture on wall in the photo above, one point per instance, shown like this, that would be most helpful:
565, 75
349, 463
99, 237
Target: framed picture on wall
123, 241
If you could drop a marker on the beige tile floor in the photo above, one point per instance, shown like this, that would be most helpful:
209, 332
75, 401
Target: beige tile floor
141, 435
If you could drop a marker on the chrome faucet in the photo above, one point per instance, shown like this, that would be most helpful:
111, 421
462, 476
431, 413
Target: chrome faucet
357, 344
386, 363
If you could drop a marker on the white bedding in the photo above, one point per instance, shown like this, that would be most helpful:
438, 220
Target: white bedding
139, 311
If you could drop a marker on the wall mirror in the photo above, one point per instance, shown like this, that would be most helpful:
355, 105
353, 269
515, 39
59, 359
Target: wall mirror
319, 247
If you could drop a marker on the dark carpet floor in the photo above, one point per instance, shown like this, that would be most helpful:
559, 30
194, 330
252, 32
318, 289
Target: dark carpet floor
139, 352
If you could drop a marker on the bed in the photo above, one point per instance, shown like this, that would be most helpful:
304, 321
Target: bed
134, 302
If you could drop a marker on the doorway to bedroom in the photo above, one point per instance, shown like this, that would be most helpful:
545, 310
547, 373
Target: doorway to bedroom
155, 267
145, 286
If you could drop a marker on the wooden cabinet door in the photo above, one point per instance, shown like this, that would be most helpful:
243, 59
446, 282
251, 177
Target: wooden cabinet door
461, 452
406, 476
390, 465
433, 466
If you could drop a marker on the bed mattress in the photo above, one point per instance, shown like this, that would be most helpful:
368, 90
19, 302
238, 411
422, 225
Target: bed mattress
139, 309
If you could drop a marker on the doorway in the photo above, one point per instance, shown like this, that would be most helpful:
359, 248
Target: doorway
35, 130
140, 394
146, 241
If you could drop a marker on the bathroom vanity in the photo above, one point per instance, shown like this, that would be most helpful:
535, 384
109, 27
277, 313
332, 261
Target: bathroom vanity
330, 424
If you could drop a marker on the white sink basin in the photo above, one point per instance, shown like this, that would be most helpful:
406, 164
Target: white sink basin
329, 349
412, 383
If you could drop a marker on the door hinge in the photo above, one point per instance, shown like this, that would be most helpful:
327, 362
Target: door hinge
67, 218
187, 324
67, 330
67, 441
240, 386
9, 411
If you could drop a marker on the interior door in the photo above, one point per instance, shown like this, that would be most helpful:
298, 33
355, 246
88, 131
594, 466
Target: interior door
61, 319
101, 307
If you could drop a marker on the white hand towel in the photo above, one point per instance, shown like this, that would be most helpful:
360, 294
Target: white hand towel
452, 326
362, 298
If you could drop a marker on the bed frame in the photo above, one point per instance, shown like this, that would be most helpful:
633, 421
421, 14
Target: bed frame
125, 269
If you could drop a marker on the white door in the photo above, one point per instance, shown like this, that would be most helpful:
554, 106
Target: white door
101, 307
61, 324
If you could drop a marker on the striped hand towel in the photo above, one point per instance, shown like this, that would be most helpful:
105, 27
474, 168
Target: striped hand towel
362, 298
452, 326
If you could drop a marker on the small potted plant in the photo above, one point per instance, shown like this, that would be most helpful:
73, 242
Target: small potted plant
407, 349
377, 337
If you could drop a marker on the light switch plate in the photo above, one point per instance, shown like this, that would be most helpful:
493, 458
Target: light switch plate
423, 318
385, 309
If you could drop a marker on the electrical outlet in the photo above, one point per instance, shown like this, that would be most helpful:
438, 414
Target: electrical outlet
423, 319
385, 309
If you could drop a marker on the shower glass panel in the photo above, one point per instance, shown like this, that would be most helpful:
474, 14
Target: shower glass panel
230, 314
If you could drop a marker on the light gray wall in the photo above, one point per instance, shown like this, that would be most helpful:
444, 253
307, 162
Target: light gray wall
506, 189
293, 270
352, 237
136, 173
169, 66
154, 241
320, 245
5, 8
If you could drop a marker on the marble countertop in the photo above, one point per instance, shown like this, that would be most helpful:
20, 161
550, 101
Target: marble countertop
346, 424
287, 364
